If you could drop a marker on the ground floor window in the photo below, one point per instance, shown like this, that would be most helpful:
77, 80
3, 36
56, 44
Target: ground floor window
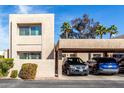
30, 55
96, 55
73, 55
118, 55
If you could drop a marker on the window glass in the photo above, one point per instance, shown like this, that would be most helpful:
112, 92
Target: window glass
30, 30
24, 30
35, 30
30, 55
96, 55
74, 61
23, 56
72, 55
63, 55
35, 56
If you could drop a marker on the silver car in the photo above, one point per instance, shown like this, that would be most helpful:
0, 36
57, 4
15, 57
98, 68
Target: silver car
75, 66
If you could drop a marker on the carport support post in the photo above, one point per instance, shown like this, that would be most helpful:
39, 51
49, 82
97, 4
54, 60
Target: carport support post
56, 63
105, 54
59, 62
89, 56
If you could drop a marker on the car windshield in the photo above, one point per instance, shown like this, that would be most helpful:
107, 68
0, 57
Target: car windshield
74, 61
105, 60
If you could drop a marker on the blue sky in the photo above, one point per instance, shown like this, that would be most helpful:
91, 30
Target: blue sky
106, 15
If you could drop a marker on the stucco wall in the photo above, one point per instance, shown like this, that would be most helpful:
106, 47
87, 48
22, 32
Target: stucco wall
91, 43
46, 68
43, 43
83, 56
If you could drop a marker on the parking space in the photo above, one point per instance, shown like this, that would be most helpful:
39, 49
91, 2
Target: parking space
93, 77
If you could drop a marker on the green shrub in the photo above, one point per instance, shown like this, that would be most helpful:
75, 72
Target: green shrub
1, 75
5, 65
14, 74
1, 56
28, 71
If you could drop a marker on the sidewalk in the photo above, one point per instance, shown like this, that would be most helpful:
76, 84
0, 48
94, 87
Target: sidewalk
89, 77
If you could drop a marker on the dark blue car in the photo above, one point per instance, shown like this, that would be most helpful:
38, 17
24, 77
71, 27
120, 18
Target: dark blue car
105, 65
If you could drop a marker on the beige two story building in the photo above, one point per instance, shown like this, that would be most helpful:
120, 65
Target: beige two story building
32, 41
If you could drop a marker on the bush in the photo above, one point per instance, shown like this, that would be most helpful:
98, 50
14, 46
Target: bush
28, 71
1, 75
14, 74
1, 56
5, 65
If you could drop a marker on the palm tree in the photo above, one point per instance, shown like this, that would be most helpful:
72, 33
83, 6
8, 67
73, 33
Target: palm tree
66, 29
112, 30
100, 31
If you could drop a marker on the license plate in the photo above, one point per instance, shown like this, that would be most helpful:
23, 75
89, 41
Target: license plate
81, 69
109, 66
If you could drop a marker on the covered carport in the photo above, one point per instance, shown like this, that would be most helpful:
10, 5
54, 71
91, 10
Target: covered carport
85, 46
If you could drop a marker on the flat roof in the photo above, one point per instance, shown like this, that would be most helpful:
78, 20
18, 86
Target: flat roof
91, 45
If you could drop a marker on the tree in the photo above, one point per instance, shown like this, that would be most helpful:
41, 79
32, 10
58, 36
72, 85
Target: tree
65, 29
85, 26
112, 30
100, 31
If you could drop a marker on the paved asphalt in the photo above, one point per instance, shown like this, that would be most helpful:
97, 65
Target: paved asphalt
61, 84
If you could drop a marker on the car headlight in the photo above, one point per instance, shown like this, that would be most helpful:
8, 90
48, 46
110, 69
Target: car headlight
86, 67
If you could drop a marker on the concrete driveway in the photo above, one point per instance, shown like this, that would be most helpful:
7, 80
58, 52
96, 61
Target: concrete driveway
93, 77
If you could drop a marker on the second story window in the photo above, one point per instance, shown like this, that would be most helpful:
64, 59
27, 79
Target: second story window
30, 30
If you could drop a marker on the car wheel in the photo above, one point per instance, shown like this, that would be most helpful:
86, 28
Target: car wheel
63, 72
86, 74
68, 73
112, 73
95, 72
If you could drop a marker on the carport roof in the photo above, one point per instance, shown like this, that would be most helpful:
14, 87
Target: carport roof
91, 45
